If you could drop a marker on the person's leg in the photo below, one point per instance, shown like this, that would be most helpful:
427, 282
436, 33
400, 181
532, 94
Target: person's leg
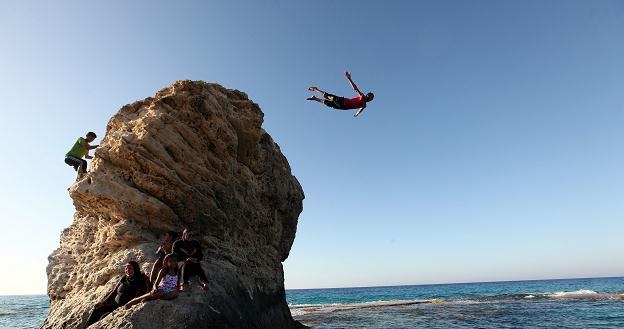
169, 296
97, 313
184, 273
154, 272
93, 317
316, 90
202, 276
196, 269
83, 166
334, 101
72, 162
149, 296
314, 98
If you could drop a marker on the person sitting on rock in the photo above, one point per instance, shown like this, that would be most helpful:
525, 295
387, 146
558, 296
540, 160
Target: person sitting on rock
189, 253
166, 247
166, 285
81, 149
131, 285
341, 103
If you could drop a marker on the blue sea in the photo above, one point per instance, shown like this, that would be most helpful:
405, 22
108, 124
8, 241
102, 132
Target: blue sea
21, 312
574, 303
548, 304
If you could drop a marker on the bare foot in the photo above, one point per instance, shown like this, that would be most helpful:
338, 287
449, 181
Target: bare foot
312, 88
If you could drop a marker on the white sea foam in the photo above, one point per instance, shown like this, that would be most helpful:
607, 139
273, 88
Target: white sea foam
582, 292
303, 309
8, 312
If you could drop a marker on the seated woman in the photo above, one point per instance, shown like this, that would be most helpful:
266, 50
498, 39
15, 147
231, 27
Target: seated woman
166, 285
166, 247
132, 284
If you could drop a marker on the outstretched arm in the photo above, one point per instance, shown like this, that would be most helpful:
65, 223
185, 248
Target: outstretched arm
161, 275
359, 111
348, 76
87, 146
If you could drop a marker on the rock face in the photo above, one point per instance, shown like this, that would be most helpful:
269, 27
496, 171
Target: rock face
193, 156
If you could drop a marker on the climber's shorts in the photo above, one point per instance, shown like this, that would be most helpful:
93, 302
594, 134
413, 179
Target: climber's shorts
334, 101
76, 163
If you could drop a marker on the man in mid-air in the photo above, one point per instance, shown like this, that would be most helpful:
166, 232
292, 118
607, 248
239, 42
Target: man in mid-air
341, 103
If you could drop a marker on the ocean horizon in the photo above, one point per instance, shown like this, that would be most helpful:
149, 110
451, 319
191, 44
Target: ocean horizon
554, 303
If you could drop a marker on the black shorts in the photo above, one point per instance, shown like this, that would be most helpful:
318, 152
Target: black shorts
334, 101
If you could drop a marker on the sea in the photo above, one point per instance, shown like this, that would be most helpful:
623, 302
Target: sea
548, 304
544, 304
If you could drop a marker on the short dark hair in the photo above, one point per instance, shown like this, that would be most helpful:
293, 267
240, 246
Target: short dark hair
91, 134
370, 96
167, 256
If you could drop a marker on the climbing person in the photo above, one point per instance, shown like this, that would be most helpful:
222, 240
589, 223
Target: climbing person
131, 285
342, 103
166, 247
189, 253
81, 149
166, 285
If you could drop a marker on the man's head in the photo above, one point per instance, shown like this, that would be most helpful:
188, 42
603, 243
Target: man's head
370, 96
187, 235
91, 137
171, 236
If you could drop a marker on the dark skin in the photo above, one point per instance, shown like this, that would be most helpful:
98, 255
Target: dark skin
86, 145
169, 268
166, 247
188, 236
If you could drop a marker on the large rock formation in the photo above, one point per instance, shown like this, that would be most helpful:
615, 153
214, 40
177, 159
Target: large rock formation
194, 155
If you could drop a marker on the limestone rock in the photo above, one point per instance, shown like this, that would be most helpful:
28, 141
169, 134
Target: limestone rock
194, 155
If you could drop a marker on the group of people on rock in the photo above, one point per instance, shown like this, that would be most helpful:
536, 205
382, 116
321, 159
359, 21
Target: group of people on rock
177, 260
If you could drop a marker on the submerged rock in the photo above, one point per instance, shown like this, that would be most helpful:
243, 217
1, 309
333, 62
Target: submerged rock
194, 155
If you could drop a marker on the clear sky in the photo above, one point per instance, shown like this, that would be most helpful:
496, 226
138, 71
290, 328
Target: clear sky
492, 151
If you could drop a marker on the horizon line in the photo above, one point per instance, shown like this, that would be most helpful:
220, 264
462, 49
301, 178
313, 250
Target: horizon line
465, 282
400, 285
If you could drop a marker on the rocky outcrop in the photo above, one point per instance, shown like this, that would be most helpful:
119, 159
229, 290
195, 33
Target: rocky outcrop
194, 155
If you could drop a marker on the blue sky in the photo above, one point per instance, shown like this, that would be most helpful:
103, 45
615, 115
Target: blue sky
492, 151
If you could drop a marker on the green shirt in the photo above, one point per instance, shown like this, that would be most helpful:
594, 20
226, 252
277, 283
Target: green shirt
78, 150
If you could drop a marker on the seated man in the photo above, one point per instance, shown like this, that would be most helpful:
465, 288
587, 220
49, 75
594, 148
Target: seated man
342, 103
189, 253
133, 284
81, 149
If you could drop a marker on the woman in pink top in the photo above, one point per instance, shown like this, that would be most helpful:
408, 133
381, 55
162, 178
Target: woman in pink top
341, 103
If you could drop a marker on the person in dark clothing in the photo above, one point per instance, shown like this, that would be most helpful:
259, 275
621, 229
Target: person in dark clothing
132, 284
166, 247
189, 253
